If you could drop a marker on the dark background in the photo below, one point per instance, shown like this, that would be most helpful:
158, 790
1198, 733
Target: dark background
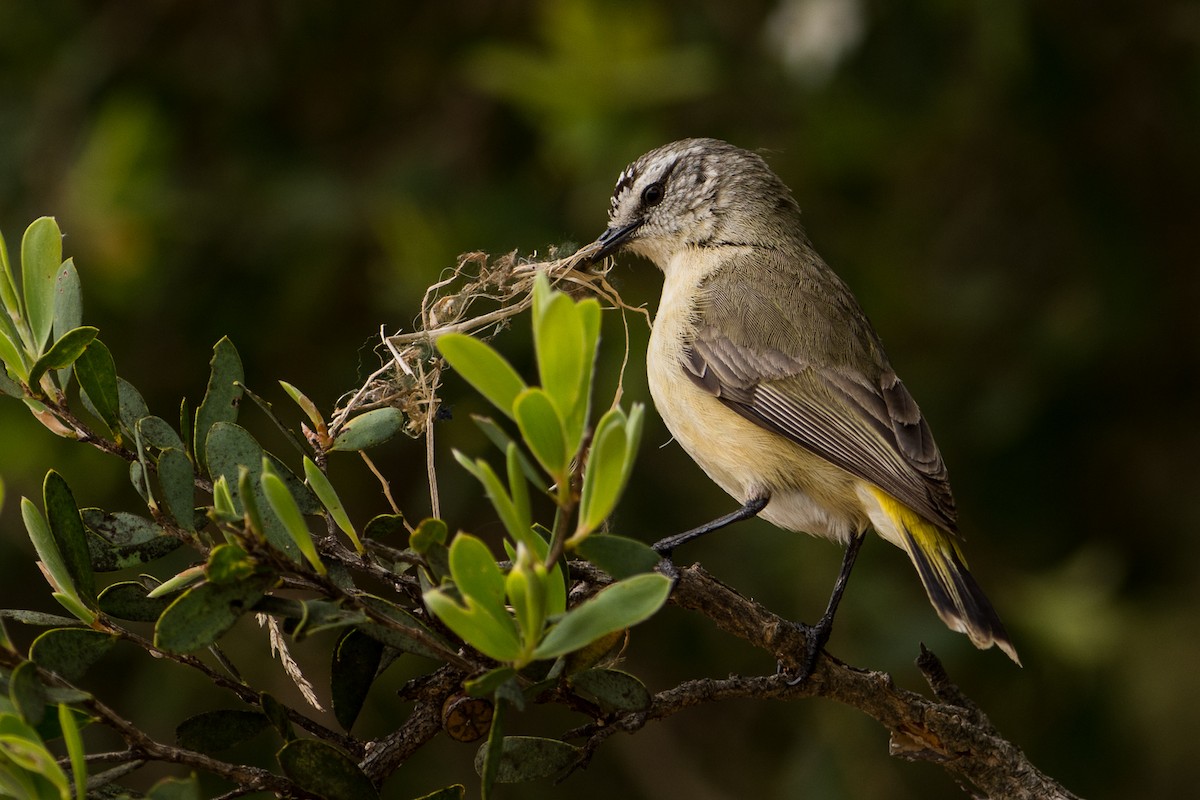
1008, 186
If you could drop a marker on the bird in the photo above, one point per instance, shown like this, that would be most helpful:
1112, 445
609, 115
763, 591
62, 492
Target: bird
766, 370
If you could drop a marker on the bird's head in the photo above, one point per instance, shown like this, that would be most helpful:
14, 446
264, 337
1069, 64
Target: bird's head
696, 193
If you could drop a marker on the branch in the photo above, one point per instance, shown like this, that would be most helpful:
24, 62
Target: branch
950, 731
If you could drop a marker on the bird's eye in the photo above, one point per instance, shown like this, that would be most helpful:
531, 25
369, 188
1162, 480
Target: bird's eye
652, 195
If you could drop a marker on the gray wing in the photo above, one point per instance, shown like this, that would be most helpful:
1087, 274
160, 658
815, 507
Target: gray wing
872, 428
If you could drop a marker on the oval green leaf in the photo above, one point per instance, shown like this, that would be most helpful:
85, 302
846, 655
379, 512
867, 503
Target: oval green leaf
476, 572
66, 527
229, 448
619, 556
62, 353
284, 506
221, 398
215, 731
370, 429
97, 376
127, 600
531, 758
482, 367
41, 255
325, 771
199, 616
177, 481
320, 484
478, 626
603, 480
618, 606
542, 429
70, 652
615, 690
356, 660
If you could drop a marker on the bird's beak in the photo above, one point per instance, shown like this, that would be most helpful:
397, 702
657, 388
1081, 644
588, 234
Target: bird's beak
611, 240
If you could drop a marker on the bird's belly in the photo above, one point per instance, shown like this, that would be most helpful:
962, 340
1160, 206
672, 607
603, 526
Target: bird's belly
807, 493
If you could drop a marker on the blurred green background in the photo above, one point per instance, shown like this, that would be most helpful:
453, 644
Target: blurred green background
1010, 188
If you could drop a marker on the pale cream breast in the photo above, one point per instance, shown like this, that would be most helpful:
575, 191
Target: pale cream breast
807, 493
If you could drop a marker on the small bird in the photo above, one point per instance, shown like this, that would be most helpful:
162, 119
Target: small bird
768, 373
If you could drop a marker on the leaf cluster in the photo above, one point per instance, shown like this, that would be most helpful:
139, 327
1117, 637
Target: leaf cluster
272, 539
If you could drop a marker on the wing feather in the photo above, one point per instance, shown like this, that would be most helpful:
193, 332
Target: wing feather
872, 429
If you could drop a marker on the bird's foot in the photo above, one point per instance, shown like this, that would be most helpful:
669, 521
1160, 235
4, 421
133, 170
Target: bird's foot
815, 637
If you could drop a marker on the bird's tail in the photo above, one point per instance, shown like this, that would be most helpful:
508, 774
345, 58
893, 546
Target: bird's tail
952, 590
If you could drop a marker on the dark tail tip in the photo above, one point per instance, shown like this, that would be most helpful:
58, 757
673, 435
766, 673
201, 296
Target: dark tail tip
955, 594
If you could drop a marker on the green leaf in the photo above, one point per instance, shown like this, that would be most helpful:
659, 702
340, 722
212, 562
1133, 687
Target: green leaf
369, 430
177, 481
123, 540
482, 367
26, 692
221, 399
558, 338
617, 606
475, 571
356, 660
618, 556
47, 550
63, 352
613, 689
284, 506
105, 558
21, 746
41, 255
603, 478
633, 436
329, 498
178, 582
75, 751
487, 758
429, 532
518, 490
229, 563
199, 616
325, 771
97, 376
67, 528
12, 356
531, 758
277, 713
384, 526
37, 618
68, 307
156, 432
131, 406
70, 652
127, 600
525, 586
477, 626
556, 584
307, 406
215, 731
8, 386
542, 429
229, 448
10, 303
306, 499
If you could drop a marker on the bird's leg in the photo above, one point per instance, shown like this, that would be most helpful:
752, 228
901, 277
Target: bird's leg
818, 634
664, 547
